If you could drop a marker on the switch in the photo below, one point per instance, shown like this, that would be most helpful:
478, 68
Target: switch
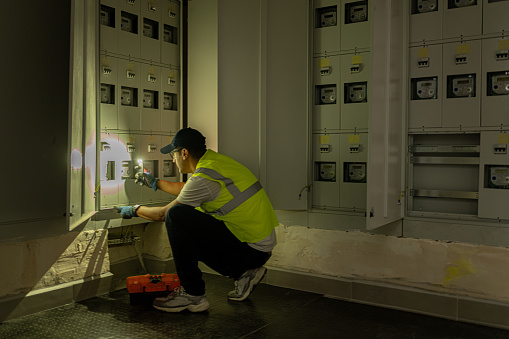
325, 71
131, 2
461, 59
130, 74
130, 148
151, 7
502, 54
106, 70
354, 148
151, 148
500, 149
423, 62
325, 148
152, 78
355, 68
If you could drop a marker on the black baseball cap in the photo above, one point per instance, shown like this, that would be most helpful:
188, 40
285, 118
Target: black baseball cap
187, 138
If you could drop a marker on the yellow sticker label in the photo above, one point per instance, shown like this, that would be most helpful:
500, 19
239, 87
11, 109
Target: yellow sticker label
423, 52
323, 63
463, 49
151, 70
503, 138
105, 61
151, 139
503, 44
171, 74
324, 139
356, 59
130, 66
132, 139
354, 139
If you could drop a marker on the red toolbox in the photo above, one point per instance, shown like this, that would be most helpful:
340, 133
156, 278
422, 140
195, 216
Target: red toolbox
144, 288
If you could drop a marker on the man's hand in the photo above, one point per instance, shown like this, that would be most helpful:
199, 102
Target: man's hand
127, 212
145, 179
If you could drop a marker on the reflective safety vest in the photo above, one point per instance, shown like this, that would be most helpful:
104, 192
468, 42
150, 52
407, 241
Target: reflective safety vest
242, 204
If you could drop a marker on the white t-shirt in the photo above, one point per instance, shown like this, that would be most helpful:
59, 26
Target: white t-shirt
198, 190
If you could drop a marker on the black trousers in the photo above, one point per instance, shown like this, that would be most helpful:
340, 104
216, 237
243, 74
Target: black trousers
196, 236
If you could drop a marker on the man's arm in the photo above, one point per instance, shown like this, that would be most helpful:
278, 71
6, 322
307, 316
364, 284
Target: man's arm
155, 213
170, 187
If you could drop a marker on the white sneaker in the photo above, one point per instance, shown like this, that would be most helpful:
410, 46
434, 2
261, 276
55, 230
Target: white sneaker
246, 283
179, 300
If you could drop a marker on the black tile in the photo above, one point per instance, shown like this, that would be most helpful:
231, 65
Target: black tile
270, 312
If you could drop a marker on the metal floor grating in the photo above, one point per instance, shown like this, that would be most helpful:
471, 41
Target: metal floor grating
270, 312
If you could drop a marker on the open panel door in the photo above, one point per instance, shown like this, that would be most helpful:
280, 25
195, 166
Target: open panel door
387, 117
285, 73
81, 205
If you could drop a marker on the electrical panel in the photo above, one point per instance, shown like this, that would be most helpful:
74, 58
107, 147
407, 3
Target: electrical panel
326, 78
495, 16
462, 76
139, 91
326, 27
355, 25
495, 82
462, 18
426, 20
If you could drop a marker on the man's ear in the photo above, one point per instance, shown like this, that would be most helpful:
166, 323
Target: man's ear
185, 153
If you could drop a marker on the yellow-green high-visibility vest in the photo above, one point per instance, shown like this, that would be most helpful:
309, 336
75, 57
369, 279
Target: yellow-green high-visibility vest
242, 204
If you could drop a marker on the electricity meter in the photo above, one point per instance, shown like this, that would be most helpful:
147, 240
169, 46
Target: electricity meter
498, 83
463, 3
326, 171
424, 88
128, 97
129, 22
498, 177
461, 86
169, 100
327, 94
127, 170
326, 16
150, 28
126, 24
358, 13
425, 6
107, 96
170, 34
355, 172
149, 99
355, 93
169, 169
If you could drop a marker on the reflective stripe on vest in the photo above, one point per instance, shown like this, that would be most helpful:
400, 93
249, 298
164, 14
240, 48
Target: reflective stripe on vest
238, 196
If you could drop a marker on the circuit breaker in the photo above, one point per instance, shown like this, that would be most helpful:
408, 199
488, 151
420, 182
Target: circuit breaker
462, 18
495, 16
426, 20
355, 73
494, 175
355, 24
326, 176
495, 82
326, 80
461, 92
353, 172
326, 27
426, 81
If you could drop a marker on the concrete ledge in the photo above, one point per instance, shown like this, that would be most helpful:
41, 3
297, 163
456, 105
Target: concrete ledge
472, 310
54, 296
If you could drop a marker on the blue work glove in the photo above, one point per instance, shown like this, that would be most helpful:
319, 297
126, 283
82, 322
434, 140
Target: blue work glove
145, 179
127, 212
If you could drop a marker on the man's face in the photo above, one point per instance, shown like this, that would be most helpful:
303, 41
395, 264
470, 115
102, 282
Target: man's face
181, 158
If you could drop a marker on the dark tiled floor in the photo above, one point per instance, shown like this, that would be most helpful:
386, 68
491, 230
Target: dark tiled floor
270, 312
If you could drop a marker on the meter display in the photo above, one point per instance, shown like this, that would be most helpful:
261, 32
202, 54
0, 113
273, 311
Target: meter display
107, 94
170, 34
326, 94
169, 169
129, 96
325, 171
150, 28
356, 12
129, 22
498, 83
498, 177
356, 92
461, 86
355, 172
424, 88
170, 101
149, 99
326, 17
461, 3
107, 16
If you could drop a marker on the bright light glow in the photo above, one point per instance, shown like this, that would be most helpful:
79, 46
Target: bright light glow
118, 153
76, 159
